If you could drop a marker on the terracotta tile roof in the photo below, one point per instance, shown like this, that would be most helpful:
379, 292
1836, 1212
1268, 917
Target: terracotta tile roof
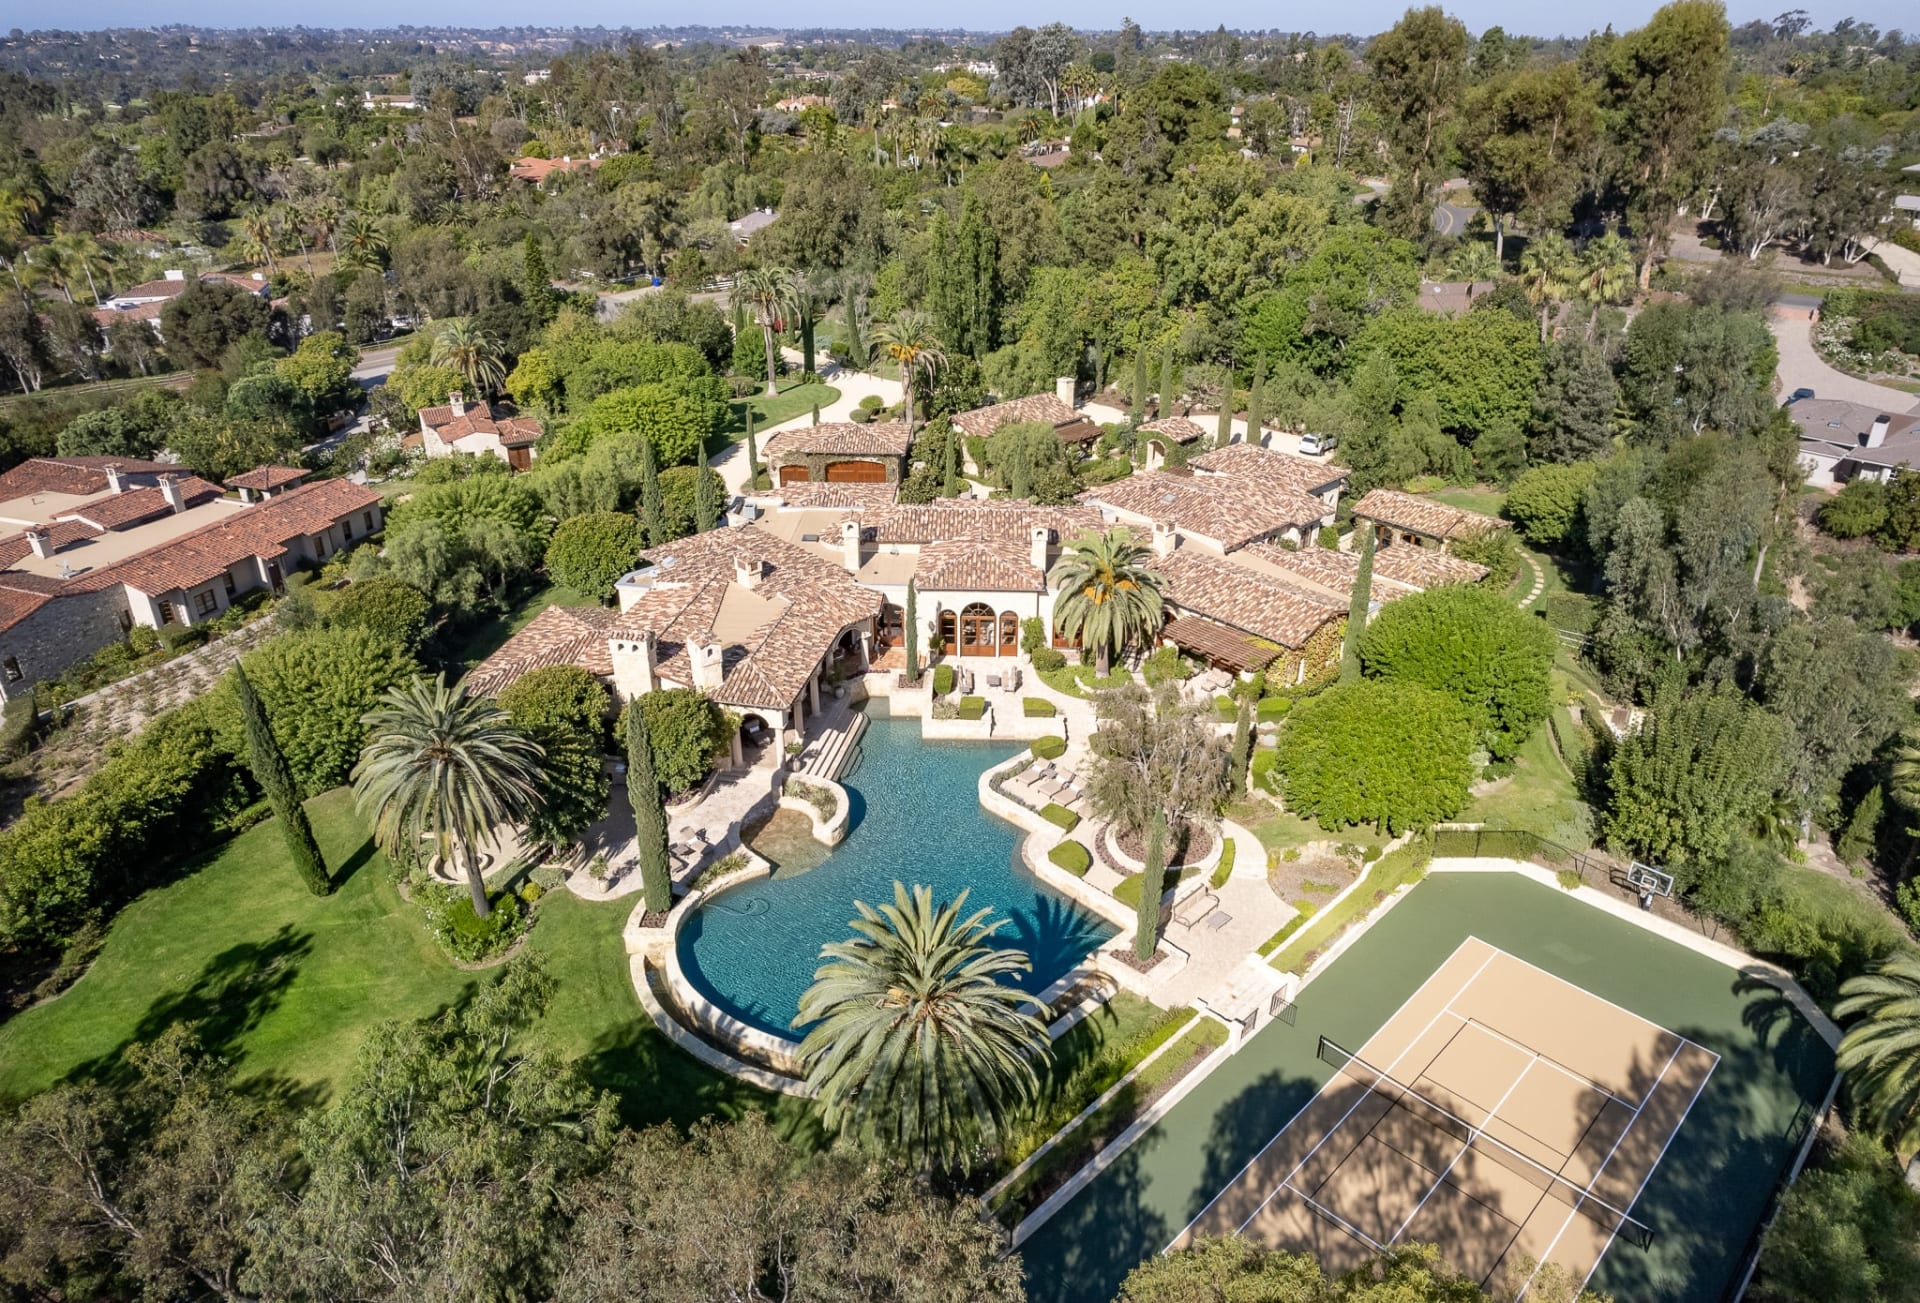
137, 312
1230, 510
797, 607
137, 506
559, 635
76, 475
1240, 652
14, 548
1250, 461
982, 421
954, 519
266, 478
820, 493
1419, 515
842, 438
260, 531
482, 418
1177, 428
1397, 570
987, 565
1425, 568
17, 604
1232, 594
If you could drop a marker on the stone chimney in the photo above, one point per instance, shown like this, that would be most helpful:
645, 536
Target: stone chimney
170, 490
630, 588
850, 543
1164, 539
1063, 389
1041, 536
633, 665
458, 402
175, 274
749, 571
116, 479
41, 543
707, 669
1877, 432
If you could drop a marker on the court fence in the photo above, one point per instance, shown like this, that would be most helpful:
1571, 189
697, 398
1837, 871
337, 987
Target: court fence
1594, 868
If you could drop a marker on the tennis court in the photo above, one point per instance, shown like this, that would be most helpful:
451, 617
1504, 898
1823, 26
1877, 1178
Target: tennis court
1502, 1113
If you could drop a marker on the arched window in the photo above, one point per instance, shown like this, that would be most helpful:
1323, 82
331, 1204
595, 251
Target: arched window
1009, 634
977, 630
949, 633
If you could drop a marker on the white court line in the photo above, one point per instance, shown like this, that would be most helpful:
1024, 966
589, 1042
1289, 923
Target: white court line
1557, 1066
1411, 996
1405, 1050
1600, 1171
1475, 1135
1658, 1159
1335, 1218
1637, 1017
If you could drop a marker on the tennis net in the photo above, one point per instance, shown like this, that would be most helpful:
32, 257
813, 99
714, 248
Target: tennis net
1579, 1198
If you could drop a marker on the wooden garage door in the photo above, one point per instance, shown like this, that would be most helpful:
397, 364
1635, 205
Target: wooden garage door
856, 472
793, 474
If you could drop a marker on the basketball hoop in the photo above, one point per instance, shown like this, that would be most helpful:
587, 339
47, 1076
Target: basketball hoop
1649, 882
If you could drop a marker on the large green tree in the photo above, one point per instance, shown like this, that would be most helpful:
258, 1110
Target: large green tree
1419, 70
563, 709
1393, 754
315, 686
916, 1040
589, 553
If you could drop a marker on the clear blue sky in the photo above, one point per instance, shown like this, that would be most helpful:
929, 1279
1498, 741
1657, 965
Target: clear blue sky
1362, 16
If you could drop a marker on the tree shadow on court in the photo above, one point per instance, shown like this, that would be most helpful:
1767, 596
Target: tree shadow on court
1778, 1024
1242, 1128
1086, 1249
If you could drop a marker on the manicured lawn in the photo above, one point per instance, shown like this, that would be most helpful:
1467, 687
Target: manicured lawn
1082, 680
467, 647
1483, 498
1282, 830
286, 985
794, 399
1539, 796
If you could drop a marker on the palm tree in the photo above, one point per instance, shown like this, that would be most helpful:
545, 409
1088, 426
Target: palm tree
1108, 598
258, 232
77, 251
472, 352
1549, 271
917, 1042
1473, 260
1607, 273
362, 243
439, 764
769, 292
907, 340
1881, 1052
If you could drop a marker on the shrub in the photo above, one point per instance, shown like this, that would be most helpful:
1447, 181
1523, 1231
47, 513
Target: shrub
1857, 510
1271, 709
871, 403
466, 936
1037, 708
563, 708
942, 680
1071, 856
1545, 500
1061, 817
1224, 869
688, 730
1329, 537
1377, 752
1047, 660
177, 638
972, 707
18, 723
1261, 773
1574, 612
589, 552
1050, 747
383, 606
1164, 665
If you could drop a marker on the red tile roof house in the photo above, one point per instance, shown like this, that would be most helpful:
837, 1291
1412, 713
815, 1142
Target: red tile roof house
479, 428
103, 544
143, 302
1404, 519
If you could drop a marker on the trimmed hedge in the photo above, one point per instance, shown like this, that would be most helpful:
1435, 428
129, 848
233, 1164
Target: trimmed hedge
972, 708
1225, 869
1073, 857
1037, 708
1388, 873
1061, 817
942, 680
1050, 747
1279, 938
1271, 709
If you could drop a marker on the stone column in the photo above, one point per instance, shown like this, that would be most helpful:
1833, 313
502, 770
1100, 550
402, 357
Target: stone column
813, 691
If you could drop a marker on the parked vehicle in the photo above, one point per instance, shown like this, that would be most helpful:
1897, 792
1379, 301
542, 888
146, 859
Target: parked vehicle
1312, 445
1796, 396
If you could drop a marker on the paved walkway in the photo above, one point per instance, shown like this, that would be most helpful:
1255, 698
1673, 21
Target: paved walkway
1904, 263
1801, 367
1539, 582
853, 386
709, 829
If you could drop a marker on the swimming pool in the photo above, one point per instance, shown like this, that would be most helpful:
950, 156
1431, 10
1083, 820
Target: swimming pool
916, 818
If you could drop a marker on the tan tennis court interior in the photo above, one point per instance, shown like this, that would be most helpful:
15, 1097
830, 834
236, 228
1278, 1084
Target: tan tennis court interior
1502, 1114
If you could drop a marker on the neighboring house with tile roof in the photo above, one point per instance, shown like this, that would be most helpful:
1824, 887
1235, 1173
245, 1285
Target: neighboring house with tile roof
143, 302
482, 429
1046, 409
1250, 461
1406, 519
1271, 617
87, 567
839, 452
1166, 431
538, 171
265, 481
1841, 441
1221, 511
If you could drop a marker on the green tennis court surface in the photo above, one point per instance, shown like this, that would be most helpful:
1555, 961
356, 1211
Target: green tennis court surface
1705, 1198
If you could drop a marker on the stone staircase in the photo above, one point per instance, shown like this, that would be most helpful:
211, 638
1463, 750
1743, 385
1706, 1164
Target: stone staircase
830, 751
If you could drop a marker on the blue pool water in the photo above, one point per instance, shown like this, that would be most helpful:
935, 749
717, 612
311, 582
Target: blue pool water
916, 819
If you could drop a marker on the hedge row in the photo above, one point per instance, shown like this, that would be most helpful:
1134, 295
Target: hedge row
1037, 708
1050, 747
1060, 817
1073, 857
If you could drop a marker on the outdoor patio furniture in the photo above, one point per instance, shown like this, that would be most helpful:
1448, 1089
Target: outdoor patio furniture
1013, 679
1217, 920
993, 680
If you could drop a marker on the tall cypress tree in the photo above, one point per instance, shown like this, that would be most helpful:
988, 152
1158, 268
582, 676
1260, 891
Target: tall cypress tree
705, 510
950, 487
816, 413
1139, 411
1223, 433
649, 814
856, 346
542, 302
1169, 383
270, 770
1256, 404
1357, 605
977, 261
1146, 925
1020, 473
913, 634
753, 453
1242, 745
653, 512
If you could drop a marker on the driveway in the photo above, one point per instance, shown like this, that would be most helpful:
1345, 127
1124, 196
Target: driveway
1802, 368
853, 386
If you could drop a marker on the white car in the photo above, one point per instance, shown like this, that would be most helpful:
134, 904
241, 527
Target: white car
1312, 445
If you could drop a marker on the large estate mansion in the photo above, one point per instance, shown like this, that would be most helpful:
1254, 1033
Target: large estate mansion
812, 584
102, 544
